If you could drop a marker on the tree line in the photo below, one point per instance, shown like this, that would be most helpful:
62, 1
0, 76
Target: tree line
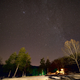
20, 64
71, 60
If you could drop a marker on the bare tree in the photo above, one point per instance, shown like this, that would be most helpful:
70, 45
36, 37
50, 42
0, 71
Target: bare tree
72, 49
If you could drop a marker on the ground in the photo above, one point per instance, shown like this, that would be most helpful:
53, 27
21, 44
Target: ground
65, 77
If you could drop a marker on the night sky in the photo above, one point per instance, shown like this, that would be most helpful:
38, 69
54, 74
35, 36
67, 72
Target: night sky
41, 26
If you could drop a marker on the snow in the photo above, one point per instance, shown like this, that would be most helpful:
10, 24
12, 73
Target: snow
68, 77
29, 78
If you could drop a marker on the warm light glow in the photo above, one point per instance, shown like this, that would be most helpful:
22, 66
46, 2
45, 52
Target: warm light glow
57, 71
62, 71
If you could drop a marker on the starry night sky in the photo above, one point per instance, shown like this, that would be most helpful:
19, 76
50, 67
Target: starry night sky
41, 26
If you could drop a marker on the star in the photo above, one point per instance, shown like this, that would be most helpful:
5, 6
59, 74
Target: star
23, 12
47, 18
45, 45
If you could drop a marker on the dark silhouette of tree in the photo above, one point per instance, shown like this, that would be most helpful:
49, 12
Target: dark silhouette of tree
52, 67
42, 66
0, 60
42, 63
10, 63
47, 64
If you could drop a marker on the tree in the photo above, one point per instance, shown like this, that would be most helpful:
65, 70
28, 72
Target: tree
47, 64
57, 63
23, 60
72, 49
53, 66
10, 63
0, 60
42, 65
12, 58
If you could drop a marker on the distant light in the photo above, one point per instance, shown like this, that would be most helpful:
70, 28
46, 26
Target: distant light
62, 69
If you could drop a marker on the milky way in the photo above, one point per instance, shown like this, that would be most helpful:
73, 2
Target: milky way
41, 26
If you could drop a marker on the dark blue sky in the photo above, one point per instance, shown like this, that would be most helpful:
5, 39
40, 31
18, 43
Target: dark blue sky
41, 26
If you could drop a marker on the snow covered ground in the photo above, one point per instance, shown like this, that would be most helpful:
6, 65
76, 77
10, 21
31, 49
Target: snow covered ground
29, 78
66, 77
75, 76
